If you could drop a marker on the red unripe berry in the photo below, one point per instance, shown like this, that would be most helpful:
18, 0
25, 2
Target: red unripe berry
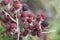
37, 26
16, 5
24, 14
29, 20
12, 25
43, 16
39, 34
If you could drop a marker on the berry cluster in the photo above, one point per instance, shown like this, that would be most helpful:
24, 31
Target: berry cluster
32, 24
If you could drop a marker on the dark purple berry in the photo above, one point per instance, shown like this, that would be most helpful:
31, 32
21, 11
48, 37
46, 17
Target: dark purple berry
25, 7
44, 24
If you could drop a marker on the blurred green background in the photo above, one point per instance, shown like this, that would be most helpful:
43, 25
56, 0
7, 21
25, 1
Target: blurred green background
53, 17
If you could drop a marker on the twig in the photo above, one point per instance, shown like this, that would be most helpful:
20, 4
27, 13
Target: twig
50, 31
18, 20
9, 16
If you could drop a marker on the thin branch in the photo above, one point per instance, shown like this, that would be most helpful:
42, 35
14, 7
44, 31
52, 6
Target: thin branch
9, 16
18, 20
51, 31
17, 27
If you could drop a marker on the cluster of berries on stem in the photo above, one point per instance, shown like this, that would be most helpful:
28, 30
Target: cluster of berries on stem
15, 13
